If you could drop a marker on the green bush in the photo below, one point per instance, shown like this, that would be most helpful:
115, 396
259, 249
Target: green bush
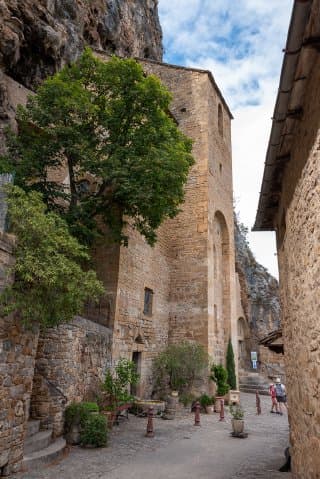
220, 376
186, 398
236, 412
179, 365
231, 368
116, 383
206, 400
78, 413
94, 431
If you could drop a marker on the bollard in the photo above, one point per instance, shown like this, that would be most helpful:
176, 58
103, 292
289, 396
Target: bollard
258, 403
150, 432
222, 410
197, 414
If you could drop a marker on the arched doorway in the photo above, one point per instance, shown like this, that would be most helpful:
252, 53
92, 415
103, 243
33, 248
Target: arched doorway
220, 294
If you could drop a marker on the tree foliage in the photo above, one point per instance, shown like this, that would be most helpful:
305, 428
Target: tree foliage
49, 284
231, 368
179, 365
106, 125
220, 376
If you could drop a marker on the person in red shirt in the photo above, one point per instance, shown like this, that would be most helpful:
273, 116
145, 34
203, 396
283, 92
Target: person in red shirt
274, 402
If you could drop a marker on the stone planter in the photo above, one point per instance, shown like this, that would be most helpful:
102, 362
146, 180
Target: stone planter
210, 409
237, 426
233, 397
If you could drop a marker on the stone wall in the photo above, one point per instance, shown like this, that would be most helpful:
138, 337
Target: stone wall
17, 357
298, 237
191, 268
271, 364
71, 362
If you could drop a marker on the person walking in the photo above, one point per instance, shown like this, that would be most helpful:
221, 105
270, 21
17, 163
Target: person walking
274, 402
281, 396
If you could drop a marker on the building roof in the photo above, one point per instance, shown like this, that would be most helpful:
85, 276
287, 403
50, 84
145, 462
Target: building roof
287, 110
273, 341
179, 67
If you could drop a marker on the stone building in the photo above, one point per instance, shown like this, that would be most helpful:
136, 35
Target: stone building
184, 287
290, 205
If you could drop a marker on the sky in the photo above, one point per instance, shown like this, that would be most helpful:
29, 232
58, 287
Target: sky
240, 42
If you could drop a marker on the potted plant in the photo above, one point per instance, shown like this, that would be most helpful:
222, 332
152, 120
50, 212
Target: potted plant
115, 396
237, 421
219, 375
207, 403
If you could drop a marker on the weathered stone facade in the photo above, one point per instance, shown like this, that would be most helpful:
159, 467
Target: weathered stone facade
191, 269
70, 364
290, 204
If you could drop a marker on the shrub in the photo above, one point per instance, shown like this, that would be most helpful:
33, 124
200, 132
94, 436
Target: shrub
206, 400
186, 398
219, 376
179, 365
78, 413
236, 412
116, 383
94, 431
231, 369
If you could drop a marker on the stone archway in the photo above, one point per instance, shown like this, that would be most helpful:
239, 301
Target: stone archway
221, 301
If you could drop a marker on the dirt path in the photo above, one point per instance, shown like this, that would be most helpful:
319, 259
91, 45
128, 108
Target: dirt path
180, 450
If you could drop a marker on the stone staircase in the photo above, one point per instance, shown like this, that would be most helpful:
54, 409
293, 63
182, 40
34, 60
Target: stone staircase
251, 382
39, 446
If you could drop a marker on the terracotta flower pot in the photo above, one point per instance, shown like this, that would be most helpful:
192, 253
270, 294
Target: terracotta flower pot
210, 409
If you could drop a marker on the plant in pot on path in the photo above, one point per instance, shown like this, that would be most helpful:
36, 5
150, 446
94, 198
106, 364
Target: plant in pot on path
219, 375
237, 421
207, 403
116, 388
77, 417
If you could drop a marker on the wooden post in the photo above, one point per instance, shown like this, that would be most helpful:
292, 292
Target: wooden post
222, 410
197, 414
258, 403
150, 431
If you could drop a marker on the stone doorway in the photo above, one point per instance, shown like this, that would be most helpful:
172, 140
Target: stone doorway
135, 389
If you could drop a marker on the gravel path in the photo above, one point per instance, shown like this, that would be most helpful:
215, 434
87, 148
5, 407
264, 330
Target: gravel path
180, 450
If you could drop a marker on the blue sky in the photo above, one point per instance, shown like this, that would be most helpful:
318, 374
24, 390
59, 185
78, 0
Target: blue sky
241, 42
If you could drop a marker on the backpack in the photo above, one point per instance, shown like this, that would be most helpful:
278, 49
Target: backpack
279, 390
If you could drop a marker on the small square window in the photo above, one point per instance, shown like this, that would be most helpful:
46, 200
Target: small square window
148, 298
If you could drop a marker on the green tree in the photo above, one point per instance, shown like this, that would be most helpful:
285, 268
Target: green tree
107, 127
49, 284
179, 365
231, 368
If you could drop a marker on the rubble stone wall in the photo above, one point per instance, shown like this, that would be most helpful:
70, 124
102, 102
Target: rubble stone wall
298, 226
70, 365
18, 347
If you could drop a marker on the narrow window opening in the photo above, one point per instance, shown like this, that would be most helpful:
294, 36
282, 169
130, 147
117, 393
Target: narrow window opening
148, 299
220, 168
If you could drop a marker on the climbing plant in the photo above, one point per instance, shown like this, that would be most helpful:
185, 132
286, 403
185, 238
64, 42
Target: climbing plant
48, 282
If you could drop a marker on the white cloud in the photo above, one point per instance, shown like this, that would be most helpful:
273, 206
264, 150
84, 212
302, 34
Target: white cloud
241, 43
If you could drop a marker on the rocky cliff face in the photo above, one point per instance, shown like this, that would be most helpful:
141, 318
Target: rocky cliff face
259, 291
39, 37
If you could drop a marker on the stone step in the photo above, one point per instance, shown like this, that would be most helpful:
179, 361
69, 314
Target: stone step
33, 427
263, 392
45, 456
37, 441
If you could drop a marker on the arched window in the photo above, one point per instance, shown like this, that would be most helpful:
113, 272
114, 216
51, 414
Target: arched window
220, 119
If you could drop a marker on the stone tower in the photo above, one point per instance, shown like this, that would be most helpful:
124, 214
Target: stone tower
189, 276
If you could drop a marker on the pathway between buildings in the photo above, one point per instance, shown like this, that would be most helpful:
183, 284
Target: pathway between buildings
180, 450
